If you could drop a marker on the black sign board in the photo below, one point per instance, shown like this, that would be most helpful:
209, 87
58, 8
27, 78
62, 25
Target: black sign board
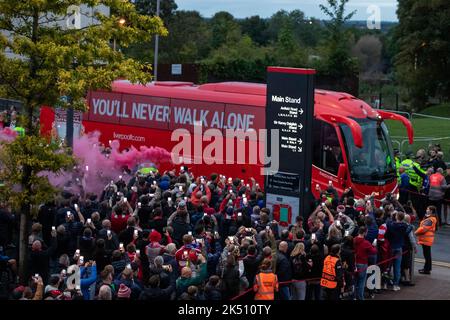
284, 181
290, 110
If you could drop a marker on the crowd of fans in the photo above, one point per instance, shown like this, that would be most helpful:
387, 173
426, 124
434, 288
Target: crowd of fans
173, 236
424, 179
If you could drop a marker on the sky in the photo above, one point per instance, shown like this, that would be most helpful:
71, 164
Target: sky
265, 8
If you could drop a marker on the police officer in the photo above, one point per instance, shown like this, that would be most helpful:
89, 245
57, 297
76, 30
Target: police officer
398, 162
415, 174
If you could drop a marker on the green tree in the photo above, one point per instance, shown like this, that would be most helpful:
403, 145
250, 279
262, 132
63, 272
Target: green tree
225, 29
189, 38
242, 60
148, 7
423, 58
50, 61
336, 49
256, 28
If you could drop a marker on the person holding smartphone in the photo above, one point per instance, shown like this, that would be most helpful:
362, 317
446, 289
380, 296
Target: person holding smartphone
363, 250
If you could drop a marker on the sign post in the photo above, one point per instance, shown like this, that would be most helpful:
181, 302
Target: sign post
290, 110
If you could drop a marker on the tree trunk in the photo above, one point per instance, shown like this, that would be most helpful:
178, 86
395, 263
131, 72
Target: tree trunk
23, 245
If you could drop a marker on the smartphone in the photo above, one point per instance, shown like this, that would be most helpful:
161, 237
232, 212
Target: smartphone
230, 180
81, 259
245, 201
68, 213
239, 214
317, 187
53, 228
121, 245
138, 252
216, 233
77, 251
120, 177
323, 204
180, 188
231, 239
108, 232
202, 180
231, 191
338, 223
89, 220
129, 266
330, 183
248, 186
185, 253
139, 204
347, 233
182, 168
313, 236
136, 233
76, 206
87, 168
267, 228
169, 199
190, 233
125, 199
36, 275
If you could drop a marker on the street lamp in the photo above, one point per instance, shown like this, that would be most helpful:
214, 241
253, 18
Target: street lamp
122, 22
155, 64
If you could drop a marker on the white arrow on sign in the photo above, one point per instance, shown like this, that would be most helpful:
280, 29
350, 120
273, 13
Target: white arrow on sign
300, 126
300, 111
300, 141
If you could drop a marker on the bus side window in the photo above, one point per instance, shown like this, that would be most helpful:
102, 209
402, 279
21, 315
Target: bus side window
327, 153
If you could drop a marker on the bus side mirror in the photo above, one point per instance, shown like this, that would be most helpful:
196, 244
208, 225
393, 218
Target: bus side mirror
342, 173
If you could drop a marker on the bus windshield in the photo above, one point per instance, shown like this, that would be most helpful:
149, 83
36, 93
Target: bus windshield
374, 162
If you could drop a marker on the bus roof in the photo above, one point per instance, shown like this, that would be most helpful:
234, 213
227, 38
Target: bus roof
245, 93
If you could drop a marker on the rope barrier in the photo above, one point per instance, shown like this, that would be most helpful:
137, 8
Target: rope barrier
315, 279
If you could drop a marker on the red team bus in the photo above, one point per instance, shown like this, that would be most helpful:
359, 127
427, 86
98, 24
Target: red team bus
351, 144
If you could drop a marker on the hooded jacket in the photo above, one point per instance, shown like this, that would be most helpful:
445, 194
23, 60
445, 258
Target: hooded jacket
363, 249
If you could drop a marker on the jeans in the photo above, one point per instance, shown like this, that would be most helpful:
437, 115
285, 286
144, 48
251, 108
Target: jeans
298, 290
361, 280
285, 293
427, 256
397, 253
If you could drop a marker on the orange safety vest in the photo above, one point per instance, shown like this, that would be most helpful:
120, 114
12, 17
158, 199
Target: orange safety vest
436, 180
265, 286
426, 230
329, 272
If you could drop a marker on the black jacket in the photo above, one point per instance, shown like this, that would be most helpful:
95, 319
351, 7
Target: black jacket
126, 236
230, 282
300, 267
212, 293
158, 225
39, 261
251, 265
157, 294
284, 269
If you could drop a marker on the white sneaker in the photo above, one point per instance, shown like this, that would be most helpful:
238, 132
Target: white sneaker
396, 288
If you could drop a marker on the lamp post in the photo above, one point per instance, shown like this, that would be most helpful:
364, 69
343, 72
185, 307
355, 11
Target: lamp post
155, 64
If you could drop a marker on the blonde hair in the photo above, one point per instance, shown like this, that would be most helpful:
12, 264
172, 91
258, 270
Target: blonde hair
298, 249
